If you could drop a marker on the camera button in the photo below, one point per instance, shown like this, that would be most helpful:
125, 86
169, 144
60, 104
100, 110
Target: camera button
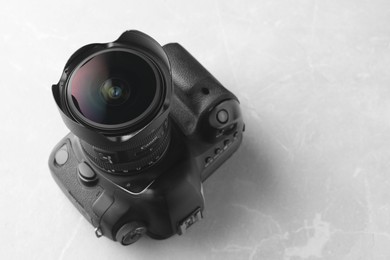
129, 233
86, 174
218, 151
208, 160
222, 116
61, 156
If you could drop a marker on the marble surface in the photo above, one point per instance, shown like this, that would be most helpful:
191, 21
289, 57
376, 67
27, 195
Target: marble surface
311, 179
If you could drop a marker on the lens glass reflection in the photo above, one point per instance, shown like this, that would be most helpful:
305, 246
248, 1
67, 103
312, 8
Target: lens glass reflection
113, 87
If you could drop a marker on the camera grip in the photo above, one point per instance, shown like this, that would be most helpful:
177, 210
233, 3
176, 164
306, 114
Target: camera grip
196, 91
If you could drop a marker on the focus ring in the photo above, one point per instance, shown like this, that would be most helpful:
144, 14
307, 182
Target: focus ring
136, 159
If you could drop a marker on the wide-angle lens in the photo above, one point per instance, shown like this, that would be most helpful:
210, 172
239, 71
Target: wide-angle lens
115, 98
113, 88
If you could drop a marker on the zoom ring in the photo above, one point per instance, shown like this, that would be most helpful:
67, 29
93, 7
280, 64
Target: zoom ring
136, 159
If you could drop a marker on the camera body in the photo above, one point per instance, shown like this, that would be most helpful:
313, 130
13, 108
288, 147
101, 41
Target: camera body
201, 129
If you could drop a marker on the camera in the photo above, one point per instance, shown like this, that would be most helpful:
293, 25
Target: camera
149, 124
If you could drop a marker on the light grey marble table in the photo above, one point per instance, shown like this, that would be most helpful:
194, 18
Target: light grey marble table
311, 179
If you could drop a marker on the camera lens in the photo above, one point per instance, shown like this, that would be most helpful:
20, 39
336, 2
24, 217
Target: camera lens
115, 98
113, 89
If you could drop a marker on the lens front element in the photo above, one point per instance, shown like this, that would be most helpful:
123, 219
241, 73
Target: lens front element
113, 88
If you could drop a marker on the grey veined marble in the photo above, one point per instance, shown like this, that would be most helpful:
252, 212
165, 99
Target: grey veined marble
312, 177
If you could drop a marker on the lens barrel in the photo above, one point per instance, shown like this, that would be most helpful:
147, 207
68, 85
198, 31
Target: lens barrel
134, 157
115, 97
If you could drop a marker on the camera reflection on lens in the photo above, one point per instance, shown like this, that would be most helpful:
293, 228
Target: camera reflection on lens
114, 91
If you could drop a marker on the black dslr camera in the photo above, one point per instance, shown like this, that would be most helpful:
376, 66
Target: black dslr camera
148, 125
